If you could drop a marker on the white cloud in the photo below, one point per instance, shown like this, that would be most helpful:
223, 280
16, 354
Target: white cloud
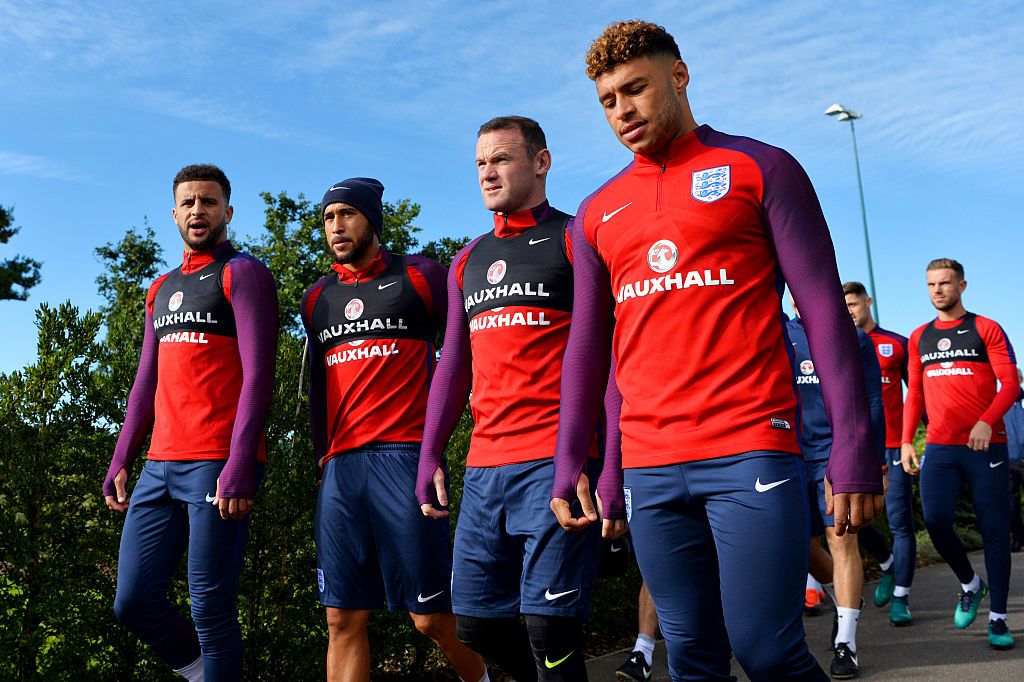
15, 163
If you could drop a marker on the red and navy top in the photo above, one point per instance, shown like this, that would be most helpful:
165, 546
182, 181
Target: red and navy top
372, 337
509, 306
953, 368
891, 349
690, 251
206, 373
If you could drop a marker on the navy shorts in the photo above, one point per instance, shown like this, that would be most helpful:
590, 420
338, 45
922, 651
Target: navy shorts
511, 556
373, 543
815, 473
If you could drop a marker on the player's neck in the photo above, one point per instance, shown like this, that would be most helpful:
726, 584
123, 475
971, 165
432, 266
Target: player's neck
869, 326
363, 263
953, 314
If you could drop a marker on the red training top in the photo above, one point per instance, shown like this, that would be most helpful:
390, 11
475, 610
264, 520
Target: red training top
891, 349
953, 368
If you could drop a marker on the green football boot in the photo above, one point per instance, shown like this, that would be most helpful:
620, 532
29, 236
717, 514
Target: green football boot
883, 593
967, 606
899, 612
999, 636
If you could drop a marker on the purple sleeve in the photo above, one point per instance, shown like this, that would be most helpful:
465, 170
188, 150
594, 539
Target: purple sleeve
435, 274
807, 260
609, 486
449, 389
586, 361
317, 384
254, 303
139, 418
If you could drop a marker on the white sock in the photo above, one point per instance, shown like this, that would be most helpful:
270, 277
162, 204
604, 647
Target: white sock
900, 591
972, 586
193, 672
847, 627
645, 644
887, 563
812, 583
992, 615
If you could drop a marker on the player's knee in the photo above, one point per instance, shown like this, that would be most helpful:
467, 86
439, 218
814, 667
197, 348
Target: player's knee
342, 623
436, 626
132, 606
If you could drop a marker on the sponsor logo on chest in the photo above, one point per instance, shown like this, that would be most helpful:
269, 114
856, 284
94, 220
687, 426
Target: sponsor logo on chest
662, 256
342, 355
505, 291
183, 318
361, 327
520, 319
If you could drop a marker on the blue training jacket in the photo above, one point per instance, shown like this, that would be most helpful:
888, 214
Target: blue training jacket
815, 432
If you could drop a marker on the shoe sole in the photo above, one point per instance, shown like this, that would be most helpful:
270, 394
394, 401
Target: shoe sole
1000, 647
849, 676
630, 678
901, 624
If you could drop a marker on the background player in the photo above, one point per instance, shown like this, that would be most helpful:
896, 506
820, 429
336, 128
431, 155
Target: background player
815, 445
1014, 420
510, 297
891, 349
954, 363
372, 326
203, 385
685, 248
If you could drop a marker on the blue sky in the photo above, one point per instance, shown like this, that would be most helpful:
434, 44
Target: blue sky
104, 101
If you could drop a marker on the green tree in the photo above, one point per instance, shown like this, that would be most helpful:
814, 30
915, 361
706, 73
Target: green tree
18, 274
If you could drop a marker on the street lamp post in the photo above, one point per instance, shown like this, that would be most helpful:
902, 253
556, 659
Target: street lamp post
845, 114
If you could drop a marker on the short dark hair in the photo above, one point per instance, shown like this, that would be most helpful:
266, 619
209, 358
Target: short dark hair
855, 288
625, 40
203, 171
947, 263
531, 131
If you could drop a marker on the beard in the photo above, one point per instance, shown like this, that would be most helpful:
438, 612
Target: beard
948, 305
360, 247
213, 235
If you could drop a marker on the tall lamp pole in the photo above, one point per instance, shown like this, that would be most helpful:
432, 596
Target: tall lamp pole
845, 114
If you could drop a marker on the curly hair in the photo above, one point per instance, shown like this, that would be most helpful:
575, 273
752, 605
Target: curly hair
203, 171
626, 40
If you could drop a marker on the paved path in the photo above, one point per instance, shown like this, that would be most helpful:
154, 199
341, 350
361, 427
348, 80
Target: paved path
930, 649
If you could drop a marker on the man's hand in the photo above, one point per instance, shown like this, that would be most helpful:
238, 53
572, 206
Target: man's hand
442, 498
981, 436
910, 460
118, 502
885, 480
611, 529
852, 511
231, 507
562, 512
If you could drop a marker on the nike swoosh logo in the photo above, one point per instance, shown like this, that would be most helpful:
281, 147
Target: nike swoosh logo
337, 187
993, 465
385, 286
210, 498
550, 664
608, 216
205, 276
897, 463
963, 331
552, 597
616, 548
538, 241
765, 487
423, 600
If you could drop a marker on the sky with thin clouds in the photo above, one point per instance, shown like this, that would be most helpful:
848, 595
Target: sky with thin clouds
104, 101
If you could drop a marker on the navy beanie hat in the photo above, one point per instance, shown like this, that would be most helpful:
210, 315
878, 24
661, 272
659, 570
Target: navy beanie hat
364, 194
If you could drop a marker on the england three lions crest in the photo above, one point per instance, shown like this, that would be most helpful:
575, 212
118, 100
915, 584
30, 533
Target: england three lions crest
711, 184
885, 350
